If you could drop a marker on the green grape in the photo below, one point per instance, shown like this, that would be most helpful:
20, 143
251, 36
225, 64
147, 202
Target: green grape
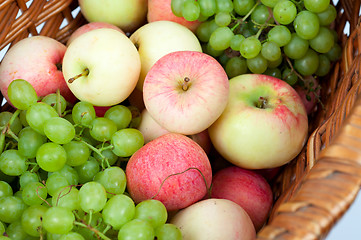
11, 209
335, 52
69, 172
236, 66
51, 157
274, 64
191, 10
31, 219
222, 19
15, 126
119, 114
118, 210
12, 163
67, 197
223, 59
136, 229
37, 114
242, 7
5, 189
21, 94
56, 101
257, 64
279, 34
285, 12
221, 38
113, 180
269, 3
273, 72
85, 135
15, 231
205, 29
224, 6
4, 238
27, 177
22, 117
324, 66
261, 15
29, 142
296, 48
83, 113
88, 170
55, 182
153, 211
77, 153
2, 228
72, 236
308, 64
207, 7
306, 25
92, 196
168, 231
289, 76
58, 220
211, 51
102, 129
250, 47
316, 6
34, 193
271, 51
110, 157
127, 141
323, 42
59, 130
236, 41
328, 16
176, 6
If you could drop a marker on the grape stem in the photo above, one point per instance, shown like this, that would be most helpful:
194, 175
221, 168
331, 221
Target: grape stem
6, 129
96, 231
58, 102
249, 13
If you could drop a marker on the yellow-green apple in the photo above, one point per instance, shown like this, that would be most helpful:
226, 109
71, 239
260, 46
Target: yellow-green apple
214, 219
128, 15
101, 67
159, 10
172, 169
248, 189
37, 60
264, 125
91, 26
186, 91
156, 39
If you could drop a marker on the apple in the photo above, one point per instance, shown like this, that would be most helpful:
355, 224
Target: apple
37, 60
309, 93
101, 67
214, 219
156, 39
128, 15
159, 10
246, 188
264, 124
90, 26
172, 169
186, 91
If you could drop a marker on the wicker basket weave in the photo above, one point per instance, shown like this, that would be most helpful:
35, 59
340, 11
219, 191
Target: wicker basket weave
314, 190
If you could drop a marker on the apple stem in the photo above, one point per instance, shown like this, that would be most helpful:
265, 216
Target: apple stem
84, 73
185, 84
262, 102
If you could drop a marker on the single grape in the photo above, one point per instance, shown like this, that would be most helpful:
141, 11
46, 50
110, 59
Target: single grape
261, 15
31, 219
176, 6
224, 6
316, 6
324, 67
279, 34
83, 113
2, 228
222, 19
28, 177
207, 7
29, 142
308, 64
51, 157
77, 153
15, 126
274, 64
153, 211
273, 72
55, 182
289, 76
269, 3
236, 41
92, 196
257, 64
328, 16
120, 115
205, 29
59, 130
168, 231
12, 163
221, 38
335, 52
58, 220
323, 42
5, 189
242, 7
57, 101
67, 197
34, 193
69, 172
306, 25
113, 180
271, 51
88, 170
72, 236
136, 229
102, 129
285, 12
11, 209
250, 47
191, 10
15, 231
127, 141
37, 114
297, 47
21, 94
236, 66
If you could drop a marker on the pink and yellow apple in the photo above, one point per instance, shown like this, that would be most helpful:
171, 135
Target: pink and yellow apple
264, 125
186, 91
172, 169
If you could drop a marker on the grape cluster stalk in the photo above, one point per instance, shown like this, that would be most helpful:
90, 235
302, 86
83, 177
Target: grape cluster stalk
62, 172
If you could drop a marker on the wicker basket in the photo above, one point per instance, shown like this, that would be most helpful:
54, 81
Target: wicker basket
314, 190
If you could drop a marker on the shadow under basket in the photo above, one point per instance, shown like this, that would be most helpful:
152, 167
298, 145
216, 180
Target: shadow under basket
314, 190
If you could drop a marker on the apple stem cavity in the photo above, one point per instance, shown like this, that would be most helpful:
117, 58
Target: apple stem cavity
262, 103
84, 73
186, 83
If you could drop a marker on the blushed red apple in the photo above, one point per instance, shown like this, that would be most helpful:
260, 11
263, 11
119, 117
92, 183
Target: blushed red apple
309, 93
172, 169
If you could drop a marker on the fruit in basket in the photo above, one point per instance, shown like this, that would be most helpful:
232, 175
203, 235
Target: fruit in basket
91, 26
156, 39
246, 188
309, 93
159, 10
186, 91
264, 125
38, 60
214, 219
172, 169
101, 67
128, 15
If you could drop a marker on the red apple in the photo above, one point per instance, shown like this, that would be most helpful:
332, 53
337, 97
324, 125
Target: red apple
246, 188
159, 10
186, 91
37, 60
172, 169
309, 93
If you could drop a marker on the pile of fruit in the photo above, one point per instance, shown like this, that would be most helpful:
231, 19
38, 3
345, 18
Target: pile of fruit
159, 119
